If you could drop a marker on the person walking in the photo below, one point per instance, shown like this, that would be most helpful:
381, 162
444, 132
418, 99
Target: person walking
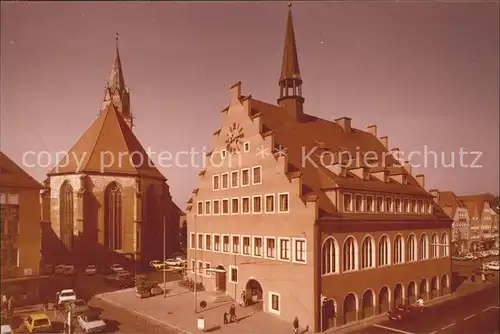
243, 298
232, 313
296, 325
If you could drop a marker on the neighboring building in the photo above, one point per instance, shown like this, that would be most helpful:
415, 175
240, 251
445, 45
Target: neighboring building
483, 220
106, 201
183, 231
456, 210
329, 242
20, 228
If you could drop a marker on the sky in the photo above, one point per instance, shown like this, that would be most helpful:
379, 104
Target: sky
426, 73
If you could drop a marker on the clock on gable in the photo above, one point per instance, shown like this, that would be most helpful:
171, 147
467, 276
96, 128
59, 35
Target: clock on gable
234, 137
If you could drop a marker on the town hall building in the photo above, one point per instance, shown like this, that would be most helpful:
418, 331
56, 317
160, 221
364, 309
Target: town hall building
106, 202
302, 230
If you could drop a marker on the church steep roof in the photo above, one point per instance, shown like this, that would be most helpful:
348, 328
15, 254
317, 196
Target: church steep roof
108, 146
12, 175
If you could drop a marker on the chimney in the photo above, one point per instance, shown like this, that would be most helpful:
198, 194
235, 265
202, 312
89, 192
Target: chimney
421, 180
435, 193
235, 92
385, 141
345, 123
407, 166
372, 129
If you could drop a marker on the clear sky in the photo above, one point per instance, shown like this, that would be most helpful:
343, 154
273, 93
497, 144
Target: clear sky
427, 73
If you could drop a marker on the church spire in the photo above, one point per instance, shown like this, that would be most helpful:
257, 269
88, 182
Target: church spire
290, 82
116, 92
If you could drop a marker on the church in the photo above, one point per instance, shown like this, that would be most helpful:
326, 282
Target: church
106, 202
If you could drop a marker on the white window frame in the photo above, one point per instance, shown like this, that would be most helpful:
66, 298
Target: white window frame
249, 205
362, 202
265, 204
391, 207
210, 206
200, 247
237, 173
205, 241
253, 207
230, 278
407, 205
246, 147
238, 206
421, 206
198, 208
253, 180
376, 204
213, 182
222, 243
294, 255
207, 273
372, 209
13, 202
289, 249
213, 206
279, 202
430, 207
231, 240
249, 245
275, 248
270, 303
223, 153
350, 206
396, 208
191, 246
261, 245
228, 207
213, 243
249, 178
222, 181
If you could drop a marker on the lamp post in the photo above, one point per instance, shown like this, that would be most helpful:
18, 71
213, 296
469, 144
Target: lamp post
164, 255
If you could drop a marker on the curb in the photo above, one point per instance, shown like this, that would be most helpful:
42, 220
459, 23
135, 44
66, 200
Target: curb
143, 315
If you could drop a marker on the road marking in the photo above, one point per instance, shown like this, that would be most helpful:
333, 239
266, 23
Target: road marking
489, 308
391, 329
450, 325
470, 316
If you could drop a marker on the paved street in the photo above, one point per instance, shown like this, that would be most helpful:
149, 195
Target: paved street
474, 313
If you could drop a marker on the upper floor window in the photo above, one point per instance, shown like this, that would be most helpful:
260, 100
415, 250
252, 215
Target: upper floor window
398, 206
434, 246
216, 207
412, 248
349, 255
367, 253
429, 208
225, 181
236, 244
245, 177
445, 243
283, 202
384, 251
388, 204
234, 178
424, 247
225, 243
421, 206
246, 147
398, 250
369, 203
200, 241
347, 202
257, 204
246, 246
330, 256
257, 246
269, 203
271, 248
414, 206
406, 205
208, 207
235, 205
200, 208
208, 242
300, 250
193, 241
245, 205
217, 243
359, 203
223, 154
13, 199
225, 206
380, 204
284, 249
215, 182
257, 175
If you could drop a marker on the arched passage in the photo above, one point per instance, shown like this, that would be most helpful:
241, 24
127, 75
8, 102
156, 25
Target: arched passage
434, 287
329, 317
445, 285
350, 308
220, 279
254, 293
411, 293
368, 304
383, 300
398, 295
422, 289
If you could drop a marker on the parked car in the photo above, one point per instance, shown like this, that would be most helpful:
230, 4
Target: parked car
494, 252
156, 290
157, 264
494, 266
6, 329
174, 262
90, 322
37, 322
90, 270
60, 269
117, 268
69, 269
104, 270
78, 307
469, 256
65, 296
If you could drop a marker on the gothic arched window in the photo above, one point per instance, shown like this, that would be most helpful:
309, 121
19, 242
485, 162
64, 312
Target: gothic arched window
66, 214
113, 218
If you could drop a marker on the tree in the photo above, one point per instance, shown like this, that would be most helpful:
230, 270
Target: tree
183, 234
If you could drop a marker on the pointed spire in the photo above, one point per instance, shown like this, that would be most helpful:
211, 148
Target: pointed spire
116, 80
290, 66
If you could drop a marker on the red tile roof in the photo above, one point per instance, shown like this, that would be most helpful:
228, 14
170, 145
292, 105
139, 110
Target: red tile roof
12, 175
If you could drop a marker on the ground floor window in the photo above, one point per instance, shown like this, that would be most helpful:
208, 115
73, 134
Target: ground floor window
200, 267
193, 266
233, 274
274, 302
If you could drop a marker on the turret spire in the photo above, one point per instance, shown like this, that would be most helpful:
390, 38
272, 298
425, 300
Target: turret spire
290, 80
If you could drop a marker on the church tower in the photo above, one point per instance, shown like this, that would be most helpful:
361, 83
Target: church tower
290, 82
115, 91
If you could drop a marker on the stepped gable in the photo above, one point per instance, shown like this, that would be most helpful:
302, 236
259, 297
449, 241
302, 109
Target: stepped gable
475, 203
12, 175
109, 136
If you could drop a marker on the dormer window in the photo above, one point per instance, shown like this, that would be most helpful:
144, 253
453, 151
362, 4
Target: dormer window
429, 208
380, 204
369, 203
347, 202
421, 207
414, 206
397, 203
359, 203
388, 204
406, 205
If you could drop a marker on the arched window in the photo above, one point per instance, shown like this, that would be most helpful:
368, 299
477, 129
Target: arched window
399, 250
424, 247
367, 253
445, 244
411, 248
66, 214
384, 251
113, 218
330, 261
434, 246
350, 262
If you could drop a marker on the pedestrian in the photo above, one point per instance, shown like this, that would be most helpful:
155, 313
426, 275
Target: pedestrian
232, 313
243, 298
4, 302
226, 320
296, 325
483, 277
420, 303
10, 305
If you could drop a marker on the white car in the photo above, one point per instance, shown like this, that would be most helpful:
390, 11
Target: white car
69, 269
177, 262
90, 322
469, 257
60, 269
66, 296
91, 269
492, 266
117, 268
